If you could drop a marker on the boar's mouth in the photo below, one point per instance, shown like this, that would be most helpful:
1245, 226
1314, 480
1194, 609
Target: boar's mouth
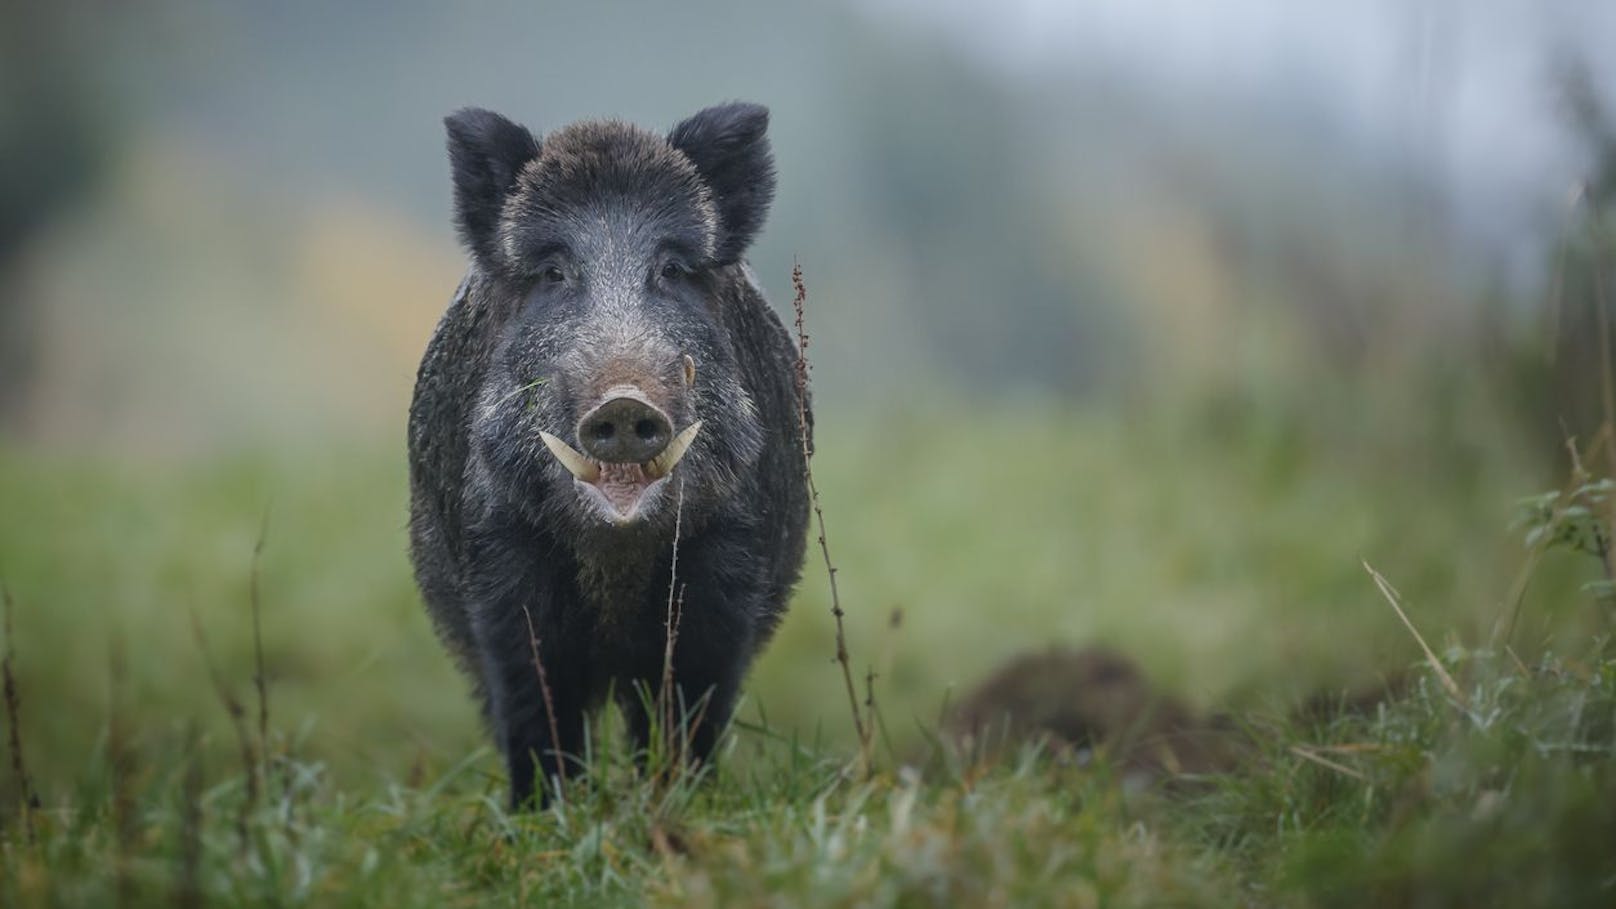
621, 488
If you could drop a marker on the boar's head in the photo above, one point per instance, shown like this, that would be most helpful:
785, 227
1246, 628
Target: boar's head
612, 378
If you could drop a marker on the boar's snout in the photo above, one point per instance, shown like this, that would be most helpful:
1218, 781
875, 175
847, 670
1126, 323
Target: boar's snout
625, 429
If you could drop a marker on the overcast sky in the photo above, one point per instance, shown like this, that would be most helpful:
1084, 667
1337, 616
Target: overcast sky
1460, 90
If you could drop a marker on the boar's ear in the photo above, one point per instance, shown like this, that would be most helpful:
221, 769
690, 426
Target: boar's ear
730, 147
486, 152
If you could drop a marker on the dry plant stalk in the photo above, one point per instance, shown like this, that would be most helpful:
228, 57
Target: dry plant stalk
549, 708
1309, 754
675, 738
676, 608
1441, 671
19, 769
799, 300
238, 721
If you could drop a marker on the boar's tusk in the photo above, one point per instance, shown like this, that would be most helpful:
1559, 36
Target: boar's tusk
576, 464
663, 464
690, 370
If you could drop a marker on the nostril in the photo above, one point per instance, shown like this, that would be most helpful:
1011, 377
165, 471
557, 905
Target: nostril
624, 430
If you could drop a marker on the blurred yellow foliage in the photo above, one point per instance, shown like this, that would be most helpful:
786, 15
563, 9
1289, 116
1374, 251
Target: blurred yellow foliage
188, 307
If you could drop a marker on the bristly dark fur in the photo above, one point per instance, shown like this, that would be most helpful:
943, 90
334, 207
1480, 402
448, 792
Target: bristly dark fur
602, 255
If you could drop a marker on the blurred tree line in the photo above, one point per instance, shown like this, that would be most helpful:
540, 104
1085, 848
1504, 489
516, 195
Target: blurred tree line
962, 228
57, 126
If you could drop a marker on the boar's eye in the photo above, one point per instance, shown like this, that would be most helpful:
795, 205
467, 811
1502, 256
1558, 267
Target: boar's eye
552, 274
673, 271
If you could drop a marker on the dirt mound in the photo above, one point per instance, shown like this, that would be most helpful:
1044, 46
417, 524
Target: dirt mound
1084, 701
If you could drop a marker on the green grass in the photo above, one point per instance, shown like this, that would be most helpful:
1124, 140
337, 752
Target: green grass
1221, 548
1507, 804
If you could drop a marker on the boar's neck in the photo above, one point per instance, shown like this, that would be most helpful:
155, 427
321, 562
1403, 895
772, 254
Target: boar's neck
616, 568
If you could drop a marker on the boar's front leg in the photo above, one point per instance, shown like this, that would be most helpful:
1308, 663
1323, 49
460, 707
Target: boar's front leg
512, 590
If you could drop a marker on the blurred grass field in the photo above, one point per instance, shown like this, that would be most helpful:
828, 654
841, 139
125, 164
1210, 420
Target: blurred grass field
1220, 546
1221, 550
